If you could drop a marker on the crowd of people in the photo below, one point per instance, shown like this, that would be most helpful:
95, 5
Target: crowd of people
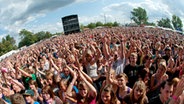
119, 65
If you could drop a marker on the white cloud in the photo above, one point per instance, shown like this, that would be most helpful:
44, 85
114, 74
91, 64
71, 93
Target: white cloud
156, 9
102, 18
16, 14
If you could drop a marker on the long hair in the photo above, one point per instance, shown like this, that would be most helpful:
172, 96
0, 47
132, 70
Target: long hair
48, 90
108, 88
141, 86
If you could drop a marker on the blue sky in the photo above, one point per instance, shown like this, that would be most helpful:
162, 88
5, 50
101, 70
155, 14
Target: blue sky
45, 15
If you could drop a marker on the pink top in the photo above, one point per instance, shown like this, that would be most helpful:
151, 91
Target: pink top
90, 99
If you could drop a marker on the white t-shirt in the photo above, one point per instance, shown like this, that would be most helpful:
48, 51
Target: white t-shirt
119, 65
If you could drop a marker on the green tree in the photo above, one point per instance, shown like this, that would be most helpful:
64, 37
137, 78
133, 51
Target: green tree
27, 38
99, 24
91, 25
139, 16
165, 23
42, 35
115, 24
7, 44
177, 23
109, 24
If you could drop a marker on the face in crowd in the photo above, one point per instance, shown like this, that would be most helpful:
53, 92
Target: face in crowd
139, 90
133, 58
107, 95
122, 80
83, 89
166, 91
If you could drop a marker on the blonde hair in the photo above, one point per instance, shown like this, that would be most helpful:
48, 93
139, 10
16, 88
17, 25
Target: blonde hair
140, 85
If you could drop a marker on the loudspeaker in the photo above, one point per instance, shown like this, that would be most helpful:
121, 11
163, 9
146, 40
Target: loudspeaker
70, 24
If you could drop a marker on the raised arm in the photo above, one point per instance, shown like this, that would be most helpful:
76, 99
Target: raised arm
91, 87
122, 48
37, 69
53, 64
178, 92
70, 87
16, 82
23, 72
105, 48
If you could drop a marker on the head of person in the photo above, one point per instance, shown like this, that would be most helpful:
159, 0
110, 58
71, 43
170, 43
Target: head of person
58, 61
134, 49
83, 89
116, 55
175, 48
89, 55
66, 71
107, 96
133, 58
47, 93
33, 84
111, 74
168, 51
166, 90
138, 92
50, 78
147, 59
180, 50
44, 56
57, 78
162, 68
15, 87
145, 49
175, 83
28, 95
158, 46
42, 63
17, 99
70, 58
122, 79
63, 84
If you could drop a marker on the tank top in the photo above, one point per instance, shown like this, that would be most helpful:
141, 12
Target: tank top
92, 70
118, 96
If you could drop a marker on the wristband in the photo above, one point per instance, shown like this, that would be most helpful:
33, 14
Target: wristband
174, 97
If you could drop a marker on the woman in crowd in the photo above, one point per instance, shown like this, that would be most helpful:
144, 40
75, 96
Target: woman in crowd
87, 93
107, 96
48, 96
158, 78
90, 58
119, 86
52, 83
137, 95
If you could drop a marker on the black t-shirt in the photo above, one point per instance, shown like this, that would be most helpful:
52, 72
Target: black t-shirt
132, 72
166, 58
155, 100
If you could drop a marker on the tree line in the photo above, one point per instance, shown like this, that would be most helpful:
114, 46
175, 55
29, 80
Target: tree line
139, 16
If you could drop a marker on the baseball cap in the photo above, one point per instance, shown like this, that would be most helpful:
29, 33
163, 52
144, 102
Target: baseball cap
29, 92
